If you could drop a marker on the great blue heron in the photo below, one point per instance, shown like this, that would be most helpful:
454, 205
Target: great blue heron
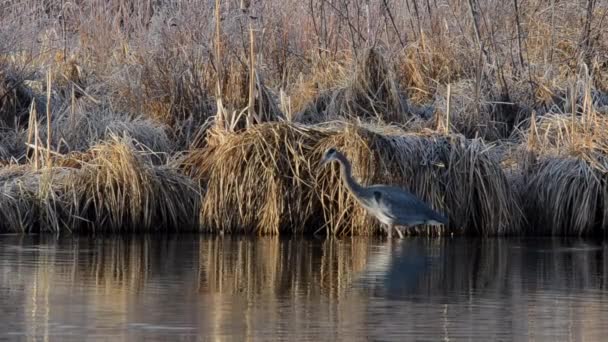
390, 205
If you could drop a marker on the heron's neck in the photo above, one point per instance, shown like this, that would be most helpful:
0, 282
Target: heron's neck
346, 172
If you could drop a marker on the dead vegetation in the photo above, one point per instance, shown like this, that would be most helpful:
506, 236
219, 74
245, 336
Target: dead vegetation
263, 174
371, 92
455, 175
118, 189
268, 179
15, 100
480, 108
567, 184
113, 187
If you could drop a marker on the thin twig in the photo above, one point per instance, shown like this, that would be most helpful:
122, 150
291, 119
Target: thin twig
48, 116
390, 16
251, 105
447, 110
218, 62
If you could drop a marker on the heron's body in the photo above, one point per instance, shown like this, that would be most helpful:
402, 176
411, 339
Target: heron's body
390, 205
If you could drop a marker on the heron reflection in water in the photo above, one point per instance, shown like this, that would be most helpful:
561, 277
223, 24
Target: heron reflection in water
397, 269
390, 205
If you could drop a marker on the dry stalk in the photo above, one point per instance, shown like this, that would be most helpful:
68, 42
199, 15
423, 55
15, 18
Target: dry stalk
48, 118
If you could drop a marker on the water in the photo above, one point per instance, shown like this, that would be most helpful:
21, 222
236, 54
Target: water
233, 289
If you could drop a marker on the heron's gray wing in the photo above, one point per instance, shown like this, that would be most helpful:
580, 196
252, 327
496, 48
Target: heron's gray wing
402, 205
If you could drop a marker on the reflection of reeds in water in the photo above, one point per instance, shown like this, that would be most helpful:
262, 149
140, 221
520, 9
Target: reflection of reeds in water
114, 270
123, 264
341, 262
265, 274
256, 285
269, 264
101, 275
235, 265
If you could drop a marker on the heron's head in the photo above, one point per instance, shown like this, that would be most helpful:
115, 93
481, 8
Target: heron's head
329, 156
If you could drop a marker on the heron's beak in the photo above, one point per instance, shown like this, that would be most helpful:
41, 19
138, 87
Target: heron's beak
325, 161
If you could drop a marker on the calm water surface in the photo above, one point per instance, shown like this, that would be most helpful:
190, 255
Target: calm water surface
234, 289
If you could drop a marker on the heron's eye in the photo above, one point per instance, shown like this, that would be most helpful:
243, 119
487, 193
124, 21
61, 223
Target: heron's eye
331, 151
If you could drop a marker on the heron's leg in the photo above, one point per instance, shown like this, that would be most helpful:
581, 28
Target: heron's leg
398, 232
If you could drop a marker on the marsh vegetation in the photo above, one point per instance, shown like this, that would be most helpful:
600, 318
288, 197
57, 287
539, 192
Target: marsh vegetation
213, 116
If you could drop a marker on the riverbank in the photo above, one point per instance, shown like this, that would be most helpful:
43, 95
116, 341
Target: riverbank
157, 122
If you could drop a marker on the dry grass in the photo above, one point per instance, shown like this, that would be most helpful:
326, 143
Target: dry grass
456, 176
16, 199
111, 188
427, 63
166, 87
258, 180
236, 99
470, 115
371, 92
118, 189
150, 74
15, 100
309, 95
29, 199
82, 129
567, 183
268, 180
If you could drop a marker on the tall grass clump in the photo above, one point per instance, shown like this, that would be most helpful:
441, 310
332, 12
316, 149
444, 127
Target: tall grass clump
258, 180
167, 87
79, 127
566, 189
83, 128
236, 94
268, 180
371, 92
16, 199
118, 189
429, 62
30, 199
310, 93
478, 112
